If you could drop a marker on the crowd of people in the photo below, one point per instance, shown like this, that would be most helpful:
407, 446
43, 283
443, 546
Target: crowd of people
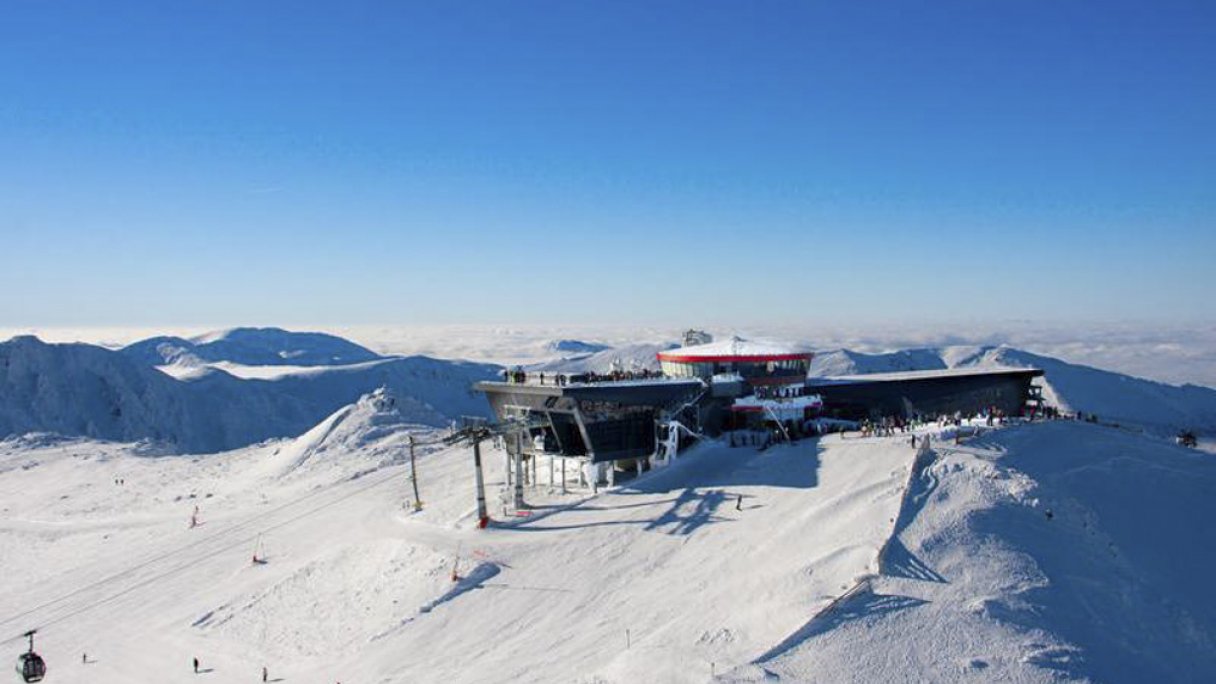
518, 376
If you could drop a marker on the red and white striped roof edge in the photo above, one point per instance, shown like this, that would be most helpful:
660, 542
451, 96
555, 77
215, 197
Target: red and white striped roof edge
735, 349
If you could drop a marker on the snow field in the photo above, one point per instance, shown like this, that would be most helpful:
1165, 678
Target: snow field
358, 588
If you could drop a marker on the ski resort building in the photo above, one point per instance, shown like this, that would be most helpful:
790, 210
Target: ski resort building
931, 392
750, 382
757, 363
707, 388
596, 420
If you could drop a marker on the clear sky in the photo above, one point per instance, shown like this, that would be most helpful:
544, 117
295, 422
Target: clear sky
224, 163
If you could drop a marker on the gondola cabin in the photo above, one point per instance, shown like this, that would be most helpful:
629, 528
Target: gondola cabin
30, 665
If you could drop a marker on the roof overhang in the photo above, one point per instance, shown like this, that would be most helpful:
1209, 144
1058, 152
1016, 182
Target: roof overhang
677, 357
919, 376
653, 392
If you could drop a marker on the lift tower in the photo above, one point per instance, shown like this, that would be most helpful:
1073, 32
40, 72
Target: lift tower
474, 430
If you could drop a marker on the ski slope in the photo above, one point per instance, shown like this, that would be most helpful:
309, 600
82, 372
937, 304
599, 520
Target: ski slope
663, 580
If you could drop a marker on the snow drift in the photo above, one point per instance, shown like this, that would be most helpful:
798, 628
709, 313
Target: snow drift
1039, 553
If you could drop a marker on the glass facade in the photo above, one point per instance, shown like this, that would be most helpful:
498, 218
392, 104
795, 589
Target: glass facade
750, 370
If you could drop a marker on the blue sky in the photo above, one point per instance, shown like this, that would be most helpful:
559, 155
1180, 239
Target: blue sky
224, 163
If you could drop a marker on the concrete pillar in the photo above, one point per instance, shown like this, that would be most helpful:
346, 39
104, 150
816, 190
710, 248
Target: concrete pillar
482, 513
519, 471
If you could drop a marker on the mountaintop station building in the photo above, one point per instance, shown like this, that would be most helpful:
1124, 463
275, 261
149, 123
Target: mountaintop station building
729, 384
765, 381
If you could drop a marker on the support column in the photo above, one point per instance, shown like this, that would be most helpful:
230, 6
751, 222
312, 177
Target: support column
519, 471
483, 515
414, 475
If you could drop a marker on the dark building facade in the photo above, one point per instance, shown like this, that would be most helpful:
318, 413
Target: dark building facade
926, 392
598, 421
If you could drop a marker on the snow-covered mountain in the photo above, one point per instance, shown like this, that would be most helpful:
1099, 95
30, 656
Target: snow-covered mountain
253, 347
576, 347
78, 389
848, 362
630, 357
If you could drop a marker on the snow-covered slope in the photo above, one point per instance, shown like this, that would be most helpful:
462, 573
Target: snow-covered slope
1034, 553
374, 423
1061, 551
253, 347
77, 389
661, 581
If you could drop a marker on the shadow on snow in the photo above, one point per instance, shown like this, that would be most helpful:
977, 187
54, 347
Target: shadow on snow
704, 481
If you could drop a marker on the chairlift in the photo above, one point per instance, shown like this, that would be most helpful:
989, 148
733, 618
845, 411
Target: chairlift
30, 665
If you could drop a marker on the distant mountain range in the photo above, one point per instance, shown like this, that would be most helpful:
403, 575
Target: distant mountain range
576, 346
253, 347
86, 390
